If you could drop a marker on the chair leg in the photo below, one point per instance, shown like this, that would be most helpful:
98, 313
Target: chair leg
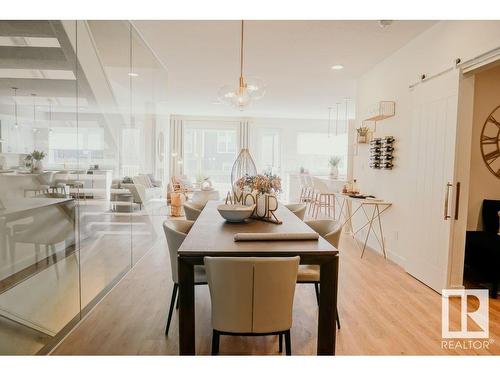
172, 301
288, 344
316, 288
215, 342
12, 247
280, 340
37, 252
338, 319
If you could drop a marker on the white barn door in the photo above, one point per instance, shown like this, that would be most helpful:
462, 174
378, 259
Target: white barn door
434, 127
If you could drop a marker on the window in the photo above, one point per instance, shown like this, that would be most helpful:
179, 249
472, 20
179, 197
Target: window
315, 149
210, 150
226, 143
70, 146
270, 153
131, 152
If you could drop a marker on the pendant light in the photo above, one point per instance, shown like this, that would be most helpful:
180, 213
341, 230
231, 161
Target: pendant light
329, 120
50, 115
247, 90
16, 124
346, 116
337, 120
34, 113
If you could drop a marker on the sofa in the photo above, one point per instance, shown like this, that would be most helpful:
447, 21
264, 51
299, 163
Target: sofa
482, 248
143, 188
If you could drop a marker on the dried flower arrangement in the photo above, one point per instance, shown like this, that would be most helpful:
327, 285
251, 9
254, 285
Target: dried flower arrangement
261, 183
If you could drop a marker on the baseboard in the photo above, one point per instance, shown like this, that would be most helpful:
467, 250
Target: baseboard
393, 257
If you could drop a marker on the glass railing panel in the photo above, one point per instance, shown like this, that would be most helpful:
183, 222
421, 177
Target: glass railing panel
105, 224
148, 83
39, 265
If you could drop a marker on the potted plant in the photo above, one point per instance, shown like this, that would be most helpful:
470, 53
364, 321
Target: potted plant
363, 134
37, 165
334, 166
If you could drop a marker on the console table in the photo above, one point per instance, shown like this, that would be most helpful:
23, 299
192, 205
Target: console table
378, 208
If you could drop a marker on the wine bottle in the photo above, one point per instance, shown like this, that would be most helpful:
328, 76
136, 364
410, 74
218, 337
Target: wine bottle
388, 148
375, 157
389, 140
387, 165
387, 157
376, 142
375, 149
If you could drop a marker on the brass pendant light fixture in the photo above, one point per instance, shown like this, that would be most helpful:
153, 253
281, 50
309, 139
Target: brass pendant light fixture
248, 88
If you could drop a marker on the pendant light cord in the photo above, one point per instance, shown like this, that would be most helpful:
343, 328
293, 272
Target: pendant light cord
241, 51
15, 103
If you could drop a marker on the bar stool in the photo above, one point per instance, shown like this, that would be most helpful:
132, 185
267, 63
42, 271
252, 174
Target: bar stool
310, 193
324, 198
303, 188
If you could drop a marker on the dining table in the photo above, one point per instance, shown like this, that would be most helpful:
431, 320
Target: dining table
212, 236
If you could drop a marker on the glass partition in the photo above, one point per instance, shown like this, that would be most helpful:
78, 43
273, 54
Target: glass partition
39, 260
86, 98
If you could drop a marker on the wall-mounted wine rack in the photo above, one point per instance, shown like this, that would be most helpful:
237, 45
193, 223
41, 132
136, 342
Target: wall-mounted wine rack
381, 153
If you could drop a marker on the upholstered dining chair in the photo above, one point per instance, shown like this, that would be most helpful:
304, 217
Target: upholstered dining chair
299, 209
251, 297
192, 211
46, 229
175, 232
331, 231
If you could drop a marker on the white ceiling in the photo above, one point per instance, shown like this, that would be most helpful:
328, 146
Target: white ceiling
293, 58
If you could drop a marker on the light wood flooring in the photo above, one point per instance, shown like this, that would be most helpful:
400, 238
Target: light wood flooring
383, 311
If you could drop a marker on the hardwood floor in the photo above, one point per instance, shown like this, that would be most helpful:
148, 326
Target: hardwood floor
383, 311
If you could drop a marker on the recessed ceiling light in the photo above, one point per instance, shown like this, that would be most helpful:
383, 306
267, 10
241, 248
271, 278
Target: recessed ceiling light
385, 23
131, 74
337, 67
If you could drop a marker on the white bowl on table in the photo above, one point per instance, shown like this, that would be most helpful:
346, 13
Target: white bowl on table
235, 213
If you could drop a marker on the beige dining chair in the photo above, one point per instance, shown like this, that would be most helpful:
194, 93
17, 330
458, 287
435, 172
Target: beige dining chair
251, 297
299, 209
192, 211
331, 231
46, 229
175, 232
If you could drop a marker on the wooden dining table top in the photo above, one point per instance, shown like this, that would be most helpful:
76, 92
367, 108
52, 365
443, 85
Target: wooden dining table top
212, 235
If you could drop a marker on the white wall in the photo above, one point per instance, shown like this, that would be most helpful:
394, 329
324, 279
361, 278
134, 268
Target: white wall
431, 52
483, 184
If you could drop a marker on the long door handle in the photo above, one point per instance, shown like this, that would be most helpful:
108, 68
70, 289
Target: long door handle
457, 201
447, 201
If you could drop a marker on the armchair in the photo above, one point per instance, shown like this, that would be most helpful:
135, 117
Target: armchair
482, 248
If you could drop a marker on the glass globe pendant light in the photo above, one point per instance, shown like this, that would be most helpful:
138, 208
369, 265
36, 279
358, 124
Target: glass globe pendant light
248, 89
16, 124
